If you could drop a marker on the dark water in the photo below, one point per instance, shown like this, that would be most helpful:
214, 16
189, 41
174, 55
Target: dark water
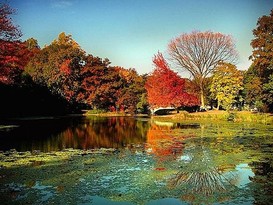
52, 134
156, 163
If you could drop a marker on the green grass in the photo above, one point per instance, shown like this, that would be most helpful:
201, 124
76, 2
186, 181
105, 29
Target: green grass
236, 116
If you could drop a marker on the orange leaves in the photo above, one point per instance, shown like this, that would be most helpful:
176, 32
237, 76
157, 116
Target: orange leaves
64, 67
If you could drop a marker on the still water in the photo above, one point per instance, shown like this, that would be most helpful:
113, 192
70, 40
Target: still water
154, 162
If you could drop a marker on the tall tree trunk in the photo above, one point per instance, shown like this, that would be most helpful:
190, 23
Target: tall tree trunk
202, 98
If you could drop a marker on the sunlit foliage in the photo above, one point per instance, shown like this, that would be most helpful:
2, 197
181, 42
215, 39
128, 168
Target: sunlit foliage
226, 83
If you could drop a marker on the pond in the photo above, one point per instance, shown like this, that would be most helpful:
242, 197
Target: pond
126, 160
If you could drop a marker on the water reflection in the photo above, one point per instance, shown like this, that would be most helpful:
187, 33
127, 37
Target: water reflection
188, 163
77, 132
105, 132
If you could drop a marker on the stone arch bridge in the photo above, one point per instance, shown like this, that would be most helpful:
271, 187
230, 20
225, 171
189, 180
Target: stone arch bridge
162, 110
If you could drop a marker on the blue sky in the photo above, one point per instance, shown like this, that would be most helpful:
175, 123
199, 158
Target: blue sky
130, 32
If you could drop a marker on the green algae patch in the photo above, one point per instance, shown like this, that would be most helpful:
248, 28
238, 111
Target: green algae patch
36, 158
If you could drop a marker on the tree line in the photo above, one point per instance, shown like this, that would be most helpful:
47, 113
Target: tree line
62, 77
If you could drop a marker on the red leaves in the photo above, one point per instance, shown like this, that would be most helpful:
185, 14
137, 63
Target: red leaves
13, 58
166, 88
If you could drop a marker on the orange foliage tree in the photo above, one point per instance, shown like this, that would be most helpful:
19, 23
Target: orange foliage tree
58, 67
99, 83
166, 88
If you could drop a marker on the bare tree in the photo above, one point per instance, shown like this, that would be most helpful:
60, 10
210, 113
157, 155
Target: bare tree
200, 52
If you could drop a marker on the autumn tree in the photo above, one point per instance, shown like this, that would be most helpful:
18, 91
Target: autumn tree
226, 84
100, 83
262, 57
13, 53
262, 44
166, 88
200, 52
58, 67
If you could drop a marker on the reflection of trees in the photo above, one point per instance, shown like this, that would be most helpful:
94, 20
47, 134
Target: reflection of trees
162, 142
200, 177
111, 132
77, 132
206, 183
262, 187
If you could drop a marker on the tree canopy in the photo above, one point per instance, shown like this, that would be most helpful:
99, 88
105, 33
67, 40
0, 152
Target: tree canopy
84, 79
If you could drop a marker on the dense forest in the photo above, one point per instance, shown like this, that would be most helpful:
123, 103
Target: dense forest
62, 78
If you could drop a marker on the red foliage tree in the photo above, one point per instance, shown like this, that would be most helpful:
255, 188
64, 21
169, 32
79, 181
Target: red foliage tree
13, 58
12, 52
166, 88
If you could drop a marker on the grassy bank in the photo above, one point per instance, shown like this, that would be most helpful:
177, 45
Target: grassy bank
235, 116
216, 115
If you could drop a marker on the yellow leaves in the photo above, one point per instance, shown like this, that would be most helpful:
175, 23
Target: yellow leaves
227, 81
66, 40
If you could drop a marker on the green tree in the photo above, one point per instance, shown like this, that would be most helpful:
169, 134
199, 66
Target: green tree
268, 90
32, 44
226, 83
252, 87
132, 92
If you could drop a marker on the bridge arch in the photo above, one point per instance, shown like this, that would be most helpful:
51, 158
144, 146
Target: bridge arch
162, 110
